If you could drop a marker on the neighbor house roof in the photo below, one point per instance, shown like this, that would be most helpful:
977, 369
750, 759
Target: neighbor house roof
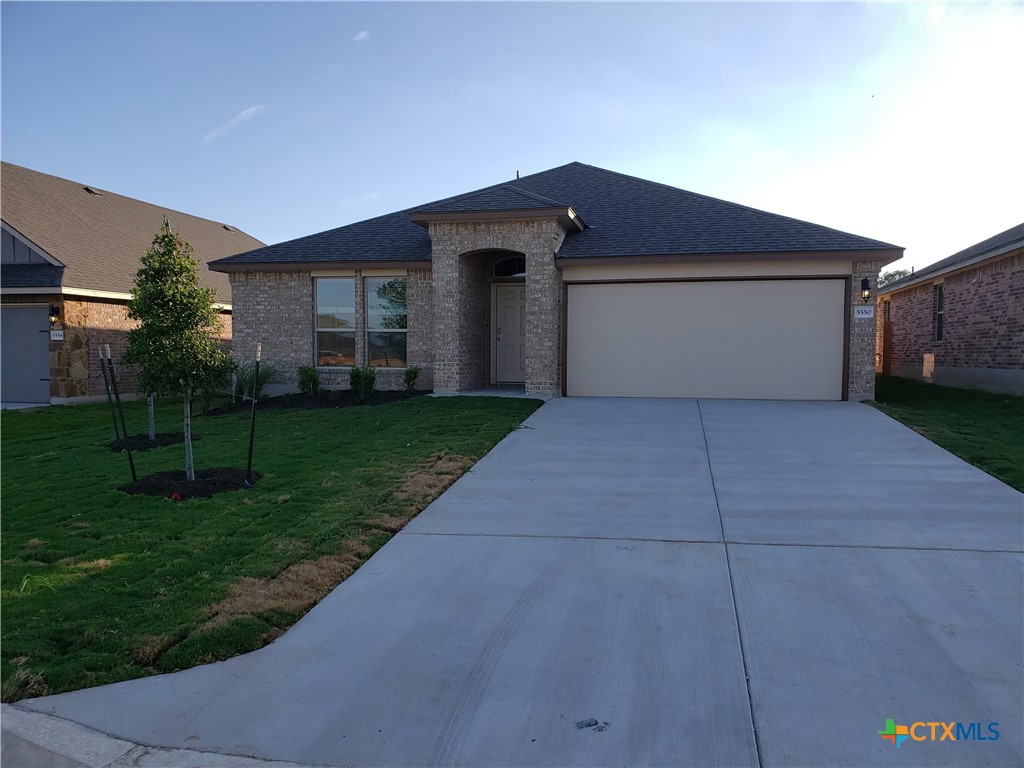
993, 247
98, 236
621, 216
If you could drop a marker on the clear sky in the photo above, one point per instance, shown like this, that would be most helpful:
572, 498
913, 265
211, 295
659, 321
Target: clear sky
897, 121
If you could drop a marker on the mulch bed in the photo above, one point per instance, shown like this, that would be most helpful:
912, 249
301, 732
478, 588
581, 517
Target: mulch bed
173, 485
326, 399
141, 442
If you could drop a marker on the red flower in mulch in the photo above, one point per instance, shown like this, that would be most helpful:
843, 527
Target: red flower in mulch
175, 496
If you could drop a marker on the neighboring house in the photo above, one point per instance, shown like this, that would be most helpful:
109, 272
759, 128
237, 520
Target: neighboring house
573, 281
69, 254
959, 321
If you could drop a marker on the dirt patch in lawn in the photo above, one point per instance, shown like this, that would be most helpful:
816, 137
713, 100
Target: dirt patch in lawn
142, 442
296, 589
299, 587
173, 485
326, 399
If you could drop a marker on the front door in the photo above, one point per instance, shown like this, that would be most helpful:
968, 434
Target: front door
510, 333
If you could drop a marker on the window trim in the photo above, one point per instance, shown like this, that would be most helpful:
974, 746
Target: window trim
367, 330
317, 330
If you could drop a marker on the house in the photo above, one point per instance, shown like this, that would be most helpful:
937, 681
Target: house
572, 281
959, 321
69, 253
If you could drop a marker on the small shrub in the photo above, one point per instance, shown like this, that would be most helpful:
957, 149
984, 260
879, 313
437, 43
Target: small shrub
246, 383
363, 381
309, 380
412, 373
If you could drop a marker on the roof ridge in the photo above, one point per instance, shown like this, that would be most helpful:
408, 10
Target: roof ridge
758, 211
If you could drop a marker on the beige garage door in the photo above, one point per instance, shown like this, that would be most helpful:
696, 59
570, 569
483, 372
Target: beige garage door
766, 339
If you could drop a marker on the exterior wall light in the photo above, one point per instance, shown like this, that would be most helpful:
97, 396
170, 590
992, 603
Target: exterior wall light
865, 290
54, 314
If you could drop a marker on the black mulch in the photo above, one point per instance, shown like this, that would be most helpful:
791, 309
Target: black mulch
142, 442
172, 484
326, 399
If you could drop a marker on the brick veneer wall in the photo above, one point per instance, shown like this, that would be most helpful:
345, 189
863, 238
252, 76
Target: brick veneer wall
462, 300
274, 309
277, 310
983, 319
861, 361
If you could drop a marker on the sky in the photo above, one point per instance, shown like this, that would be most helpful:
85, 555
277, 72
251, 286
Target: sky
896, 121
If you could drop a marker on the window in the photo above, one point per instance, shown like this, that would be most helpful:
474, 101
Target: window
939, 310
386, 322
514, 266
335, 321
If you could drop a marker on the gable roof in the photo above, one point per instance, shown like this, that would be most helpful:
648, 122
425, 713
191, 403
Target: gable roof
992, 247
625, 217
99, 236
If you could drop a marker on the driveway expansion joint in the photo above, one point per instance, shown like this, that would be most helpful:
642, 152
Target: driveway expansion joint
732, 590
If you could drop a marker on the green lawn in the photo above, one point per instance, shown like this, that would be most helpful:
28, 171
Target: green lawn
100, 586
985, 429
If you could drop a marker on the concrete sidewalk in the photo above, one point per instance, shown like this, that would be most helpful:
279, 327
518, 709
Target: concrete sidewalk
642, 582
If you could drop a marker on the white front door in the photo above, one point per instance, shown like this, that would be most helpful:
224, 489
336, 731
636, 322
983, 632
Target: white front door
510, 333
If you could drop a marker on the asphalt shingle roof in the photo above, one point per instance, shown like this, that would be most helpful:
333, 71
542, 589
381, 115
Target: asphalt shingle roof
101, 236
625, 216
994, 243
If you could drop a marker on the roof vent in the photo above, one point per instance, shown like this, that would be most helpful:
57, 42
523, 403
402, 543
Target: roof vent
92, 191
229, 229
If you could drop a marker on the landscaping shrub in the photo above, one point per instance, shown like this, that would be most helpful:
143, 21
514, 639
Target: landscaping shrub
412, 373
309, 380
245, 378
363, 381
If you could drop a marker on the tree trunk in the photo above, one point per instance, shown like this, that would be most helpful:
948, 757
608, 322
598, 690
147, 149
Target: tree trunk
152, 418
190, 471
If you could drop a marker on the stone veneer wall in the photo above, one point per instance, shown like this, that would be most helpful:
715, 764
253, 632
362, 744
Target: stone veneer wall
983, 327
462, 300
862, 335
88, 324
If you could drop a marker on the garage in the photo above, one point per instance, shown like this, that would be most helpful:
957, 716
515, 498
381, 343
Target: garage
25, 362
777, 339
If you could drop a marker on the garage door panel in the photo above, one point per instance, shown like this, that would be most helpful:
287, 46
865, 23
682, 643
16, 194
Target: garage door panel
778, 339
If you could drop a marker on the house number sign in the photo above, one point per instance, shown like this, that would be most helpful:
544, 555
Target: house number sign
56, 335
865, 312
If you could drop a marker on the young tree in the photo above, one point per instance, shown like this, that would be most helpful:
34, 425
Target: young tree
174, 343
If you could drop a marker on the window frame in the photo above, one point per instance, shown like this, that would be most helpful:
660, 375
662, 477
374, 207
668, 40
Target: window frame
317, 329
367, 330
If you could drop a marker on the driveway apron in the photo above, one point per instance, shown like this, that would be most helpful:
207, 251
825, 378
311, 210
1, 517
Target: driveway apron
598, 588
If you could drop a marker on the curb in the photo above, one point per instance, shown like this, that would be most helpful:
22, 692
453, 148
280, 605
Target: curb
34, 740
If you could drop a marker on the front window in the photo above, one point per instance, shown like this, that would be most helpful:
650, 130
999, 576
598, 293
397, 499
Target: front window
335, 321
386, 322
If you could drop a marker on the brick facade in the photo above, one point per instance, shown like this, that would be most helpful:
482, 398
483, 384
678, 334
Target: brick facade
983, 327
463, 254
278, 308
861, 361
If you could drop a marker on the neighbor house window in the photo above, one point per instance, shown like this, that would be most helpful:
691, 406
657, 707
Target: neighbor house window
335, 321
386, 322
940, 308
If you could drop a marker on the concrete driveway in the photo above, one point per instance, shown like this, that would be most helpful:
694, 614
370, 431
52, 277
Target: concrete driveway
645, 582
